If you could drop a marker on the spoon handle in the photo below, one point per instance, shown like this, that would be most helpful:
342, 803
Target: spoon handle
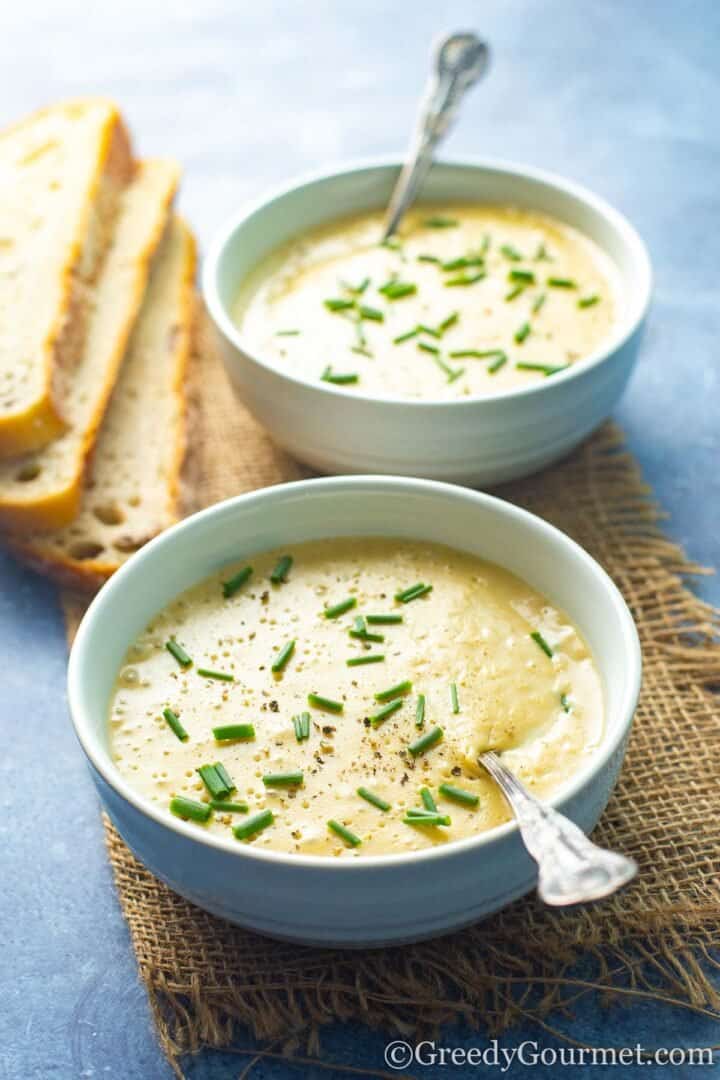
460, 60
571, 868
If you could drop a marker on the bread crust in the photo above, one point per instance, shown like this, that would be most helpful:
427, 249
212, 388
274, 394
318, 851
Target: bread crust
89, 574
41, 421
25, 511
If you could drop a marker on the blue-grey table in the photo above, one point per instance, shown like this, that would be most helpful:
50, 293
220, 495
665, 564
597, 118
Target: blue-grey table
623, 96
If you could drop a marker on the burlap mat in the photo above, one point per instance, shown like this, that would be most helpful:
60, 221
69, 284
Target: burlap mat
207, 980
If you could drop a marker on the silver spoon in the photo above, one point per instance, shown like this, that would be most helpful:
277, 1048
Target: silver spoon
460, 60
571, 868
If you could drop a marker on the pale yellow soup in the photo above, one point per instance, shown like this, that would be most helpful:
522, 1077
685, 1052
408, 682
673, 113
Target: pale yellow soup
470, 300
544, 714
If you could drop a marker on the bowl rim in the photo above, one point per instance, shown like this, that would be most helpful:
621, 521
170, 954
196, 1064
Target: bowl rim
101, 761
631, 239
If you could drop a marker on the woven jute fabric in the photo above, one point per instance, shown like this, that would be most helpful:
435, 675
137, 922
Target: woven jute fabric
207, 980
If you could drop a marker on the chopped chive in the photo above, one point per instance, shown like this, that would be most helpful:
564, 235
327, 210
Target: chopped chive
225, 776
363, 635
429, 330
463, 262
511, 253
452, 373
387, 710
231, 732
344, 834
383, 620
282, 568
413, 592
428, 801
428, 348
221, 676
283, 656
358, 290
406, 337
283, 779
546, 369
420, 711
178, 652
327, 704
301, 723
565, 702
396, 290
525, 276
459, 795
497, 364
360, 631
361, 351
464, 279
236, 582
358, 661
372, 798
450, 321
561, 283
426, 741
403, 594
418, 817
588, 301
394, 691
286, 333
541, 254
539, 303
225, 807
374, 314
214, 782
190, 809
540, 640
339, 304
475, 354
522, 333
392, 243
440, 222
254, 824
485, 246
339, 379
428, 258
454, 700
514, 293
334, 610
359, 334
175, 726
419, 813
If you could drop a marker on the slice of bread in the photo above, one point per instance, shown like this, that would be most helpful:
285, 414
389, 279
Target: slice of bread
42, 490
62, 172
132, 491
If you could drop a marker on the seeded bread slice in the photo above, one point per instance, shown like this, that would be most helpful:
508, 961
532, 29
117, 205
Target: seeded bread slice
62, 172
132, 491
42, 490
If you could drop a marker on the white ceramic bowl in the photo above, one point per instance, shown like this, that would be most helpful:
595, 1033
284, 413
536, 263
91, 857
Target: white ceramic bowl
476, 440
370, 899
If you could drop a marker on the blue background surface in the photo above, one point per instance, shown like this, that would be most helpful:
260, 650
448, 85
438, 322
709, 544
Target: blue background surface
622, 96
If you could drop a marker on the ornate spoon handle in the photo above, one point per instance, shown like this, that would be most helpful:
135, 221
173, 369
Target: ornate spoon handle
460, 60
571, 868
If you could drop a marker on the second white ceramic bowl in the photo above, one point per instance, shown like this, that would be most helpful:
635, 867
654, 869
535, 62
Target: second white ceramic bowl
368, 900
476, 440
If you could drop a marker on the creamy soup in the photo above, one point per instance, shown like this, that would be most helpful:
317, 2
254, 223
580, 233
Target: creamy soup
470, 300
344, 691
